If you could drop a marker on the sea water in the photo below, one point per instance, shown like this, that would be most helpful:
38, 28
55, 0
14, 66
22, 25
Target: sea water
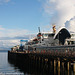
5, 67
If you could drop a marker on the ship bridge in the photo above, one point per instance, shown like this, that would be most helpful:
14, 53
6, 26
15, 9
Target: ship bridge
61, 35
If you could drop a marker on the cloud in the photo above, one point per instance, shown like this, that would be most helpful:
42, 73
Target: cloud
12, 32
60, 11
12, 37
4, 1
70, 25
1, 28
16, 32
7, 44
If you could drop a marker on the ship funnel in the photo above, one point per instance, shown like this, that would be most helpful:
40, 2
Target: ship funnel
54, 29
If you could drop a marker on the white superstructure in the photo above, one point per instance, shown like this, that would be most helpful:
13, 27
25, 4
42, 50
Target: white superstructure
47, 39
71, 40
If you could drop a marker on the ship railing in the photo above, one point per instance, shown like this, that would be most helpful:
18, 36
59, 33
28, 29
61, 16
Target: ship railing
63, 52
66, 52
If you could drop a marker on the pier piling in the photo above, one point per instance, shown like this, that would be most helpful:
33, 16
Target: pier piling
43, 62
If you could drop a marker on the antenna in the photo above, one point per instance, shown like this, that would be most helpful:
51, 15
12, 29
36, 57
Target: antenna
39, 29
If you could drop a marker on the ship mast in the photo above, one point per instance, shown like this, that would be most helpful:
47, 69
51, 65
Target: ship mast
39, 29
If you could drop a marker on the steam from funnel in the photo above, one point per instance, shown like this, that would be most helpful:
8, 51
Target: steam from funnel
70, 25
60, 11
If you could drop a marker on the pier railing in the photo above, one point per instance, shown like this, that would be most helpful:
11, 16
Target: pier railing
53, 53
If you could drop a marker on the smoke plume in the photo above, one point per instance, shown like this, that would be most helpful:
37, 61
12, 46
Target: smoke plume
61, 12
70, 24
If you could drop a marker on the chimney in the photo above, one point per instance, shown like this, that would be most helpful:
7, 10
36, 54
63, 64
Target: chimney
54, 29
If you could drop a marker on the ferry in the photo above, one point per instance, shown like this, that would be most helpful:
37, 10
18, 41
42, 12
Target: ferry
56, 40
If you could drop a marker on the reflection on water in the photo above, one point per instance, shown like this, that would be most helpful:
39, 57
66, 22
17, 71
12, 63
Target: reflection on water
48, 69
52, 68
5, 67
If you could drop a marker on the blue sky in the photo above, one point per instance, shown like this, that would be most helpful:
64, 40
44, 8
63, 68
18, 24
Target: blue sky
22, 14
21, 18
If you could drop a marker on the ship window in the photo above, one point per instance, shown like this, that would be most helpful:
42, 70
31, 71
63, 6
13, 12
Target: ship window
72, 35
43, 44
42, 39
73, 42
45, 35
68, 42
51, 35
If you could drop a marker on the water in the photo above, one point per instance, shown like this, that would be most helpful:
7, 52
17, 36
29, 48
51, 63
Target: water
8, 67
5, 66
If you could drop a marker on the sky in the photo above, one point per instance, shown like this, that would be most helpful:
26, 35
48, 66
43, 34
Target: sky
20, 19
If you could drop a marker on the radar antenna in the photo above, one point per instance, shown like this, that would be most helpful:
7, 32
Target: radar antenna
39, 29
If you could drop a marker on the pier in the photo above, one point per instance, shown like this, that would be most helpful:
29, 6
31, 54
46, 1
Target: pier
45, 60
48, 52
